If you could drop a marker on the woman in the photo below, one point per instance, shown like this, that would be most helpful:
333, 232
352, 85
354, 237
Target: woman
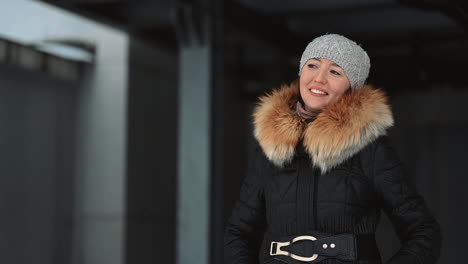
323, 170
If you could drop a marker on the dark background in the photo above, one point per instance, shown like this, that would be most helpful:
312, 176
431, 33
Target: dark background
418, 52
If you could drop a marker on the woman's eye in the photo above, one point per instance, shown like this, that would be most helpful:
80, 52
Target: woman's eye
312, 66
335, 72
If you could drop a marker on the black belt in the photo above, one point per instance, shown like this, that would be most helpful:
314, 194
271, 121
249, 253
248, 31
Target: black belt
313, 247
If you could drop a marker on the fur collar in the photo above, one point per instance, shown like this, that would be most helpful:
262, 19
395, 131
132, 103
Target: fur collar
339, 131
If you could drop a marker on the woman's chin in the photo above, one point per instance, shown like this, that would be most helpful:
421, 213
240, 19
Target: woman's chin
315, 105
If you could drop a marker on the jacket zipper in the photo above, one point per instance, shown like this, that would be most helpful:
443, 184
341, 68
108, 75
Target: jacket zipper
316, 173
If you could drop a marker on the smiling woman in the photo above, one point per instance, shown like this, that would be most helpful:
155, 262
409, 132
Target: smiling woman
323, 171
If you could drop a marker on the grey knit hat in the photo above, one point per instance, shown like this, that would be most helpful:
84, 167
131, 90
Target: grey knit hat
344, 52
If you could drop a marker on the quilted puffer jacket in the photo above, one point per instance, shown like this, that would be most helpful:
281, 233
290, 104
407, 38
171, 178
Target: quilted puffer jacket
333, 175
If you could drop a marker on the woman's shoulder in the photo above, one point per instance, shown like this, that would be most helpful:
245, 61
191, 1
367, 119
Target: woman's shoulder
382, 141
368, 155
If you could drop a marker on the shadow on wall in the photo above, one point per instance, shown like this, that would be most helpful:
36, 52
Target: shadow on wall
430, 136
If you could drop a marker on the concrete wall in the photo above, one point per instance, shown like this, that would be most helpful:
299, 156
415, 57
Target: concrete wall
96, 226
36, 115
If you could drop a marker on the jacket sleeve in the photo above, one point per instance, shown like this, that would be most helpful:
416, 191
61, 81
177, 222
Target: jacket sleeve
416, 228
244, 229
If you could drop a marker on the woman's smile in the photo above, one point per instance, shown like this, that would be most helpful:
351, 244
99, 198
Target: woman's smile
318, 92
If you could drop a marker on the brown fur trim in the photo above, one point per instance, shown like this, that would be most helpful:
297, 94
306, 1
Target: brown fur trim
339, 131
277, 126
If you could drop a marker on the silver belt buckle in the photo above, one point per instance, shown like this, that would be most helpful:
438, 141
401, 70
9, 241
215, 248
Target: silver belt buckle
279, 245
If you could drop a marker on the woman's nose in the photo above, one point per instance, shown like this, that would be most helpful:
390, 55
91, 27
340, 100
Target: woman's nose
320, 77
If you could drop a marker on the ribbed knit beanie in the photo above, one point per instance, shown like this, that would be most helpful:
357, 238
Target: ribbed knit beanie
344, 52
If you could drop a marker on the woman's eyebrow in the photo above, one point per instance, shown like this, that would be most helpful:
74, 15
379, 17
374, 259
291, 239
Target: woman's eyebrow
334, 64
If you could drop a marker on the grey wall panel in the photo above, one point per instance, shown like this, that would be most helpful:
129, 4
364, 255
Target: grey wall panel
34, 138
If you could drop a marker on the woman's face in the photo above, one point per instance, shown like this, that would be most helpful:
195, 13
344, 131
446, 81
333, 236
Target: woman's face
322, 82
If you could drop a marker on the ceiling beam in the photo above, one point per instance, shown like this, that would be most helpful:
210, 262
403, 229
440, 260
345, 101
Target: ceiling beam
148, 16
347, 10
272, 29
457, 10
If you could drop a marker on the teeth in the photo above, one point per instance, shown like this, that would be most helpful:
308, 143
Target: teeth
317, 91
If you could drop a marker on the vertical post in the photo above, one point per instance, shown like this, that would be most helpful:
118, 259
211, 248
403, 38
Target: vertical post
194, 31
193, 155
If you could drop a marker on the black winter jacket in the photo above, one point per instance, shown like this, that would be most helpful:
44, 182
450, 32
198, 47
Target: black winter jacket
333, 175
